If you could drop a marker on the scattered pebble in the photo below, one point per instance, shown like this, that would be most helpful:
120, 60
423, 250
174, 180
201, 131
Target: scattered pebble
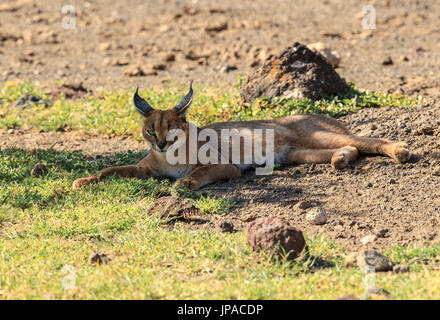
382, 233
169, 57
330, 55
368, 239
388, 61
249, 217
172, 208
302, 205
216, 27
134, 71
226, 226
27, 100
317, 216
401, 268
99, 258
38, 170
374, 259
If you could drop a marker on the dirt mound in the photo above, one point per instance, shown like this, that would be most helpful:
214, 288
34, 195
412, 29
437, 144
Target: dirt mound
275, 237
70, 90
27, 100
297, 72
172, 208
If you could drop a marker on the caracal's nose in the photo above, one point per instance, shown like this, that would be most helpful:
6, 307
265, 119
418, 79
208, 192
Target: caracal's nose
161, 144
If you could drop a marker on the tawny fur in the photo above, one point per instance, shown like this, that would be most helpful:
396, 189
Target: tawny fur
298, 139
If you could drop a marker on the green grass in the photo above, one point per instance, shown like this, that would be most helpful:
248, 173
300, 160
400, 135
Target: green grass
112, 112
45, 227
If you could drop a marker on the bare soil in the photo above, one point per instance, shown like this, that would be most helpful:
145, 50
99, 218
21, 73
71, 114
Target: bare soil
213, 42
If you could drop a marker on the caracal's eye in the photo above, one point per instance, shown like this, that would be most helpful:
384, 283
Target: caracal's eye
151, 133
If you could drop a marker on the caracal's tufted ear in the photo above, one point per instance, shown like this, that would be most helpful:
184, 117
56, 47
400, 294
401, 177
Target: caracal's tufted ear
141, 105
184, 104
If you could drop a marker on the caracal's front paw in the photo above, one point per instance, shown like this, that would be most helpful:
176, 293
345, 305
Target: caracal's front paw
190, 183
82, 182
401, 152
342, 157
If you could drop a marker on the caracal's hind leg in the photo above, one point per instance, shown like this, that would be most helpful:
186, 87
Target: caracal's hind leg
339, 158
396, 150
210, 173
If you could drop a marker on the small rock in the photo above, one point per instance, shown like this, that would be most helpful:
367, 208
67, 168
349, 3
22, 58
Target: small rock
276, 238
351, 259
317, 216
404, 58
134, 71
368, 239
158, 66
217, 27
169, 57
388, 61
10, 7
249, 217
104, 46
401, 268
169, 207
28, 100
331, 56
228, 68
99, 258
119, 62
302, 205
297, 190
38, 170
374, 259
70, 90
226, 226
436, 171
382, 233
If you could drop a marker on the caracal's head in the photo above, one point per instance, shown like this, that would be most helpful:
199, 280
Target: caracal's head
158, 124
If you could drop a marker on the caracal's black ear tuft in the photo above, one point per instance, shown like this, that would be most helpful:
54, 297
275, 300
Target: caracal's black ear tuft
183, 105
141, 105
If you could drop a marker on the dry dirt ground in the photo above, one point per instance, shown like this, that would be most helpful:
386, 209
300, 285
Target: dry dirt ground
213, 42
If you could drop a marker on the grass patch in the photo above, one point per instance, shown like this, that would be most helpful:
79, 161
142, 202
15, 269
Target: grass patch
47, 231
112, 112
